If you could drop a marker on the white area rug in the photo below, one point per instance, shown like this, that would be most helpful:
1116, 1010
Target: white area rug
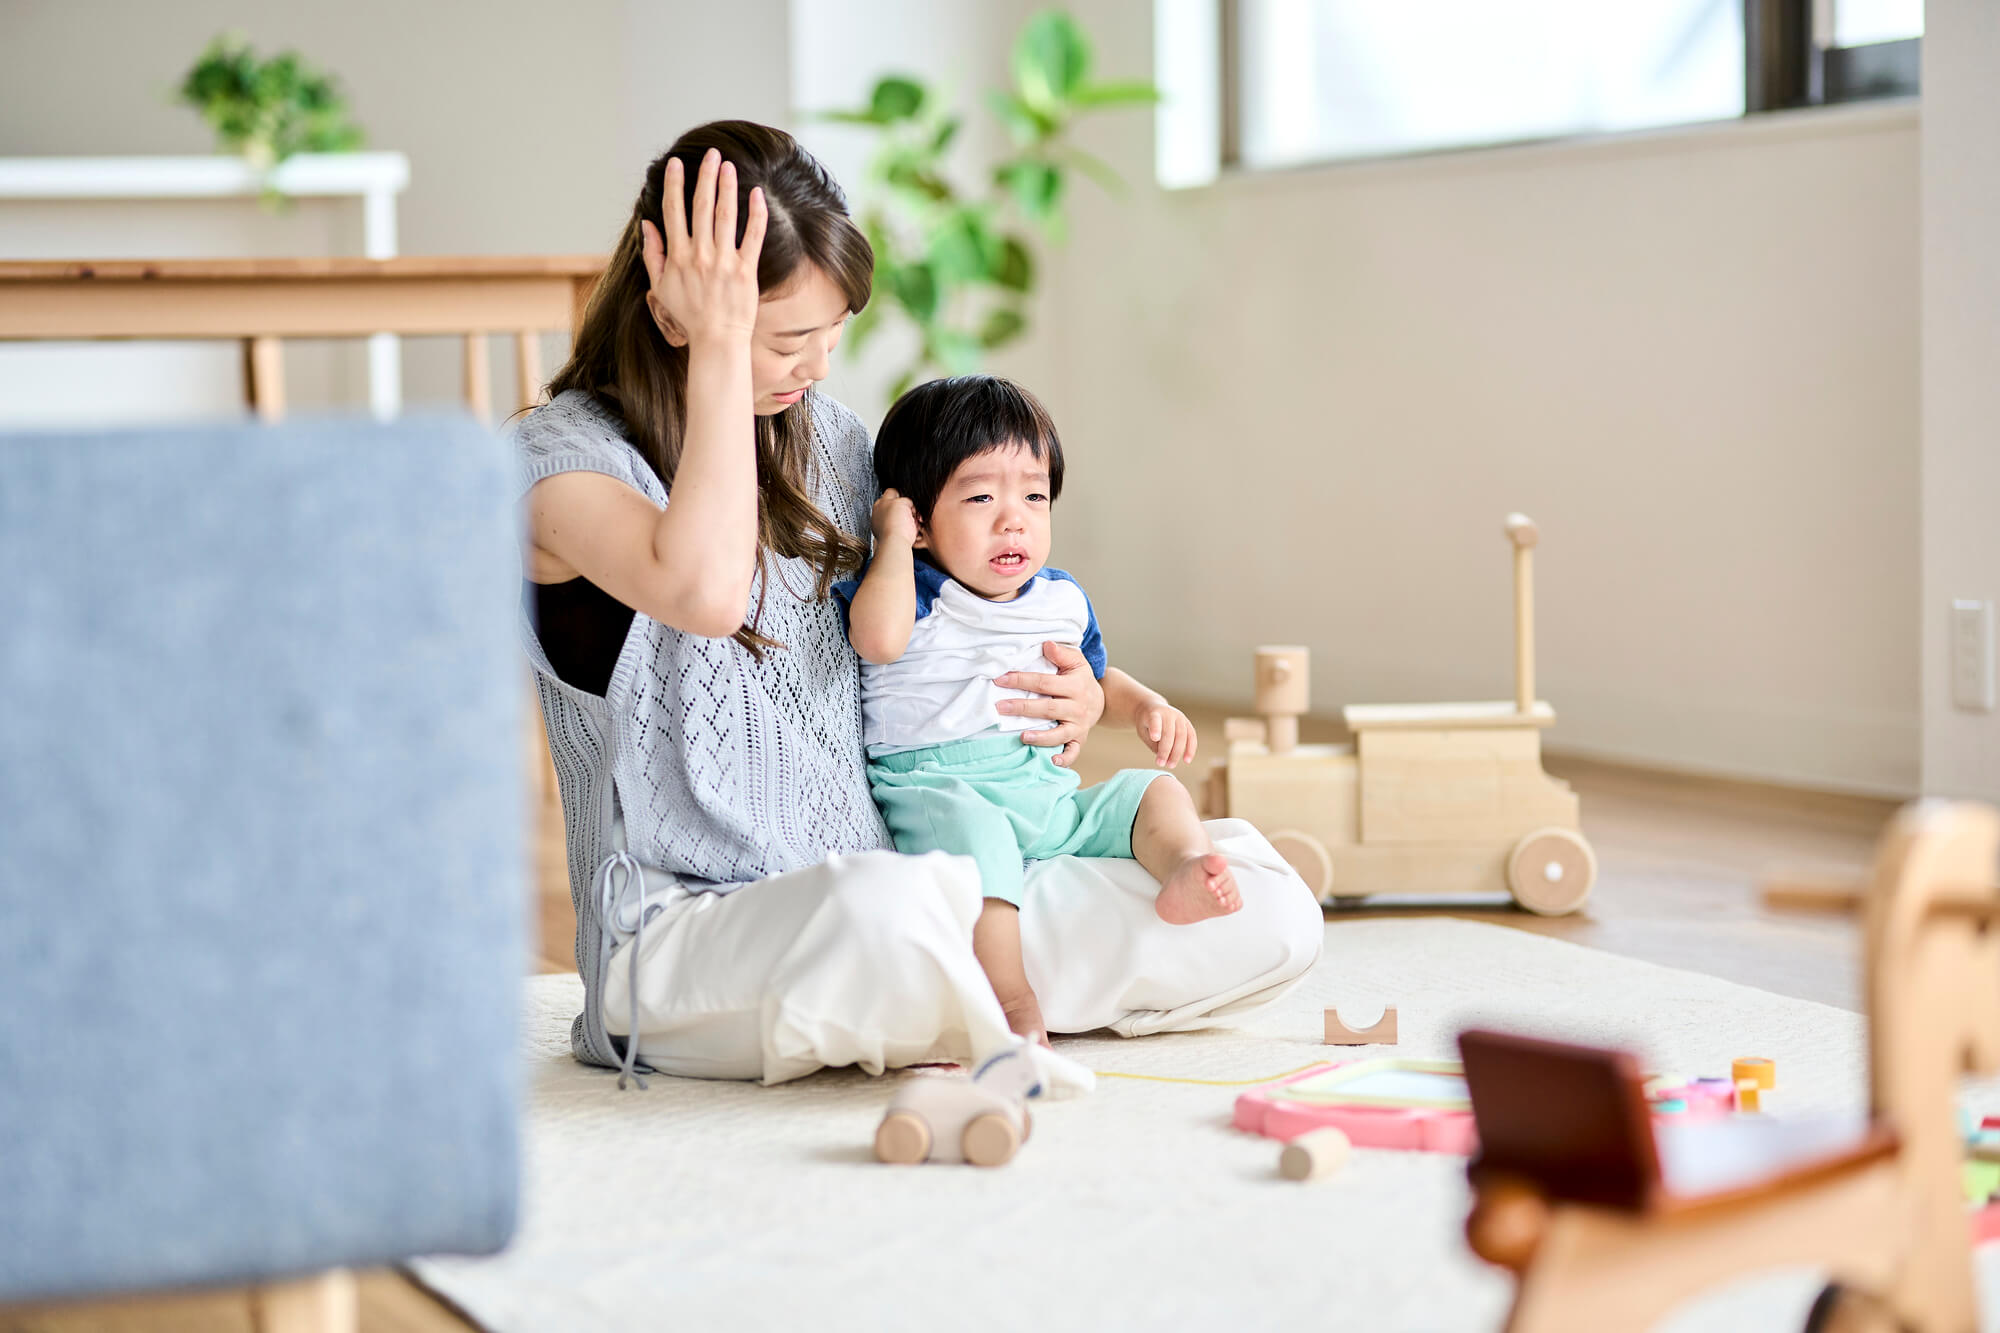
698, 1205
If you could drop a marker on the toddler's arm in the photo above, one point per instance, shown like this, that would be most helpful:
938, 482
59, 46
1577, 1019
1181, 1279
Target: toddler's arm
884, 609
1162, 726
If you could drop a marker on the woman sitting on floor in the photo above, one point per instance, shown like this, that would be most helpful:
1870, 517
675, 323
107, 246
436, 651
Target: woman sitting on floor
739, 911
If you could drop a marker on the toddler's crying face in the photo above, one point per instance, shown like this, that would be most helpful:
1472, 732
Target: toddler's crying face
991, 527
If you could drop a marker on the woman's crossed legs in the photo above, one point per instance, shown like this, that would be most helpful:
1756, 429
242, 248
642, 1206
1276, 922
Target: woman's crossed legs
867, 960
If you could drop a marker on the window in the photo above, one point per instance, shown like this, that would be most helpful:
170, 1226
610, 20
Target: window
1276, 83
1319, 79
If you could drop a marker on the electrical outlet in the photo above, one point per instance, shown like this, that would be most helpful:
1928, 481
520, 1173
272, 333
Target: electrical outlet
1972, 656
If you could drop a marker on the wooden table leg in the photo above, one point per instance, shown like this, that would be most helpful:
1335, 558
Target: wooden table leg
324, 1303
264, 377
527, 368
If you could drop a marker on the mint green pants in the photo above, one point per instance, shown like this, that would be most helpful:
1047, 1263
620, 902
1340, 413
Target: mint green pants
1003, 803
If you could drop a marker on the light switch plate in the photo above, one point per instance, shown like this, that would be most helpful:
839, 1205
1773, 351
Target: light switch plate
1972, 655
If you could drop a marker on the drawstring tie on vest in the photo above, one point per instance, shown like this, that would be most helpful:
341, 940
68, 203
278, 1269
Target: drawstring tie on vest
610, 890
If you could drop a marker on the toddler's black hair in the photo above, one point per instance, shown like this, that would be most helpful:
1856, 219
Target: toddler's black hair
938, 425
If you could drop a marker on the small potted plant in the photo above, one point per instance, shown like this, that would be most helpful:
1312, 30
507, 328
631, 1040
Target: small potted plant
267, 110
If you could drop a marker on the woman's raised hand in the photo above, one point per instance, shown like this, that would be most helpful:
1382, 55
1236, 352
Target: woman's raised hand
704, 285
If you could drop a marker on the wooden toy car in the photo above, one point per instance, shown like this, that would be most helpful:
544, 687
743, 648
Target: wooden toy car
982, 1120
1430, 798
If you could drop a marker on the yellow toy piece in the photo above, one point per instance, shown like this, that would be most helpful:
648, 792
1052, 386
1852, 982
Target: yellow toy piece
1430, 798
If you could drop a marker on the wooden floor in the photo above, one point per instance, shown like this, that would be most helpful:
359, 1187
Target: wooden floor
1679, 859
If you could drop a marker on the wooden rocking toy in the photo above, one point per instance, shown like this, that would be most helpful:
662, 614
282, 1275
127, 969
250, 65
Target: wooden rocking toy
1609, 1229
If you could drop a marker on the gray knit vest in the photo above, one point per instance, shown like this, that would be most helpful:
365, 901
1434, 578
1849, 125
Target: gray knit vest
725, 769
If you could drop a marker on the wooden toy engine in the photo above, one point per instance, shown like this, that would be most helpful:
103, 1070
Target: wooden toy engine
1430, 798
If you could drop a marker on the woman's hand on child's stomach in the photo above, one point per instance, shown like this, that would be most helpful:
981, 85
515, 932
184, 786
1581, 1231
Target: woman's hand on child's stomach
895, 521
1169, 732
1074, 700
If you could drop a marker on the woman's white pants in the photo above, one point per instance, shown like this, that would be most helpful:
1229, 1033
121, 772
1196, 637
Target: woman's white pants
867, 960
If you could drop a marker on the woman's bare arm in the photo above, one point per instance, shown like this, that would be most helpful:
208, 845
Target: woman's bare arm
691, 564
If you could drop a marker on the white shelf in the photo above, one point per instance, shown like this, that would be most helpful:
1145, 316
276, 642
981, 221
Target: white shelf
308, 174
373, 178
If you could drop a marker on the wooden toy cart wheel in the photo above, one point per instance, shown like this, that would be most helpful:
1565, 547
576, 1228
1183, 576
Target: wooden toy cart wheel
1551, 871
902, 1139
990, 1140
1307, 855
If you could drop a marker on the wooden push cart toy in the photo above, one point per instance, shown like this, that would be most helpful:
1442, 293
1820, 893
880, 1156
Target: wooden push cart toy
1430, 798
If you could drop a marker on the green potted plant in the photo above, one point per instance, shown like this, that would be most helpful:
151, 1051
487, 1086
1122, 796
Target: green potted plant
267, 110
960, 265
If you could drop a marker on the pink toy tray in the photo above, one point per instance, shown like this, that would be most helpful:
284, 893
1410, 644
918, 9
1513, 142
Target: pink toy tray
1419, 1105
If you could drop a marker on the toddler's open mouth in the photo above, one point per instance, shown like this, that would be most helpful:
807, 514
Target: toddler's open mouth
1009, 562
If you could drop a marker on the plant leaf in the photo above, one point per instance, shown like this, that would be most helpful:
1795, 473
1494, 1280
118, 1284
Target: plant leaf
1015, 270
1002, 325
962, 249
1027, 125
1036, 186
905, 176
915, 288
1051, 60
945, 134
1119, 92
896, 98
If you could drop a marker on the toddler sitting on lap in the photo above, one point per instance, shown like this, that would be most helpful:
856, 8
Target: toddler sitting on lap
958, 594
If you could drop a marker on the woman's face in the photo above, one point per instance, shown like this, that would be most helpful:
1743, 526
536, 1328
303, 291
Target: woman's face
798, 326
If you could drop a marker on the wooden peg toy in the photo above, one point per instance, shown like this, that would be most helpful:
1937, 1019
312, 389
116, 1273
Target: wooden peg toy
1284, 692
1753, 1074
1314, 1154
1523, 534
1383, 1033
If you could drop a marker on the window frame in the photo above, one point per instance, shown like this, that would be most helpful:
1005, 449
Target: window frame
1789, 56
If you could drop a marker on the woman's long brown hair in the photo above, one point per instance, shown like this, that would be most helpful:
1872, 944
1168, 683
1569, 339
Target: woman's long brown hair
621, 358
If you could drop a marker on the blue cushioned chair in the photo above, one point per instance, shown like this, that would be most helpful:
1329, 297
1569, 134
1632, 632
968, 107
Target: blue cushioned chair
262, 853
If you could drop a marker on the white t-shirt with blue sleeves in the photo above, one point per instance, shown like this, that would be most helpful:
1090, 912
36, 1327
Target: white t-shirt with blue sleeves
941, 689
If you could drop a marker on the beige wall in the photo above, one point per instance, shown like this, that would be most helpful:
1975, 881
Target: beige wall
1298, 405
1961, 439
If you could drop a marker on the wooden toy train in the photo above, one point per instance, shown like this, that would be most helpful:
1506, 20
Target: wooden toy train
1429, 798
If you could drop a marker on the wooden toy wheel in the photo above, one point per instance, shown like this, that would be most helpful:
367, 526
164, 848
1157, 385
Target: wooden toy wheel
1307, 855
902, 1139
1551, 871
990, 1140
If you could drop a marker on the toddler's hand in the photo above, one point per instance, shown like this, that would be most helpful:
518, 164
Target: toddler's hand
1169, 732
895, 521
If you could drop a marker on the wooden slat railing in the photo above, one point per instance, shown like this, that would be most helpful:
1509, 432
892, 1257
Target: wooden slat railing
261, 302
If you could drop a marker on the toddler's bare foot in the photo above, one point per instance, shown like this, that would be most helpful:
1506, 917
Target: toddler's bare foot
1199, 888
1024, 1018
